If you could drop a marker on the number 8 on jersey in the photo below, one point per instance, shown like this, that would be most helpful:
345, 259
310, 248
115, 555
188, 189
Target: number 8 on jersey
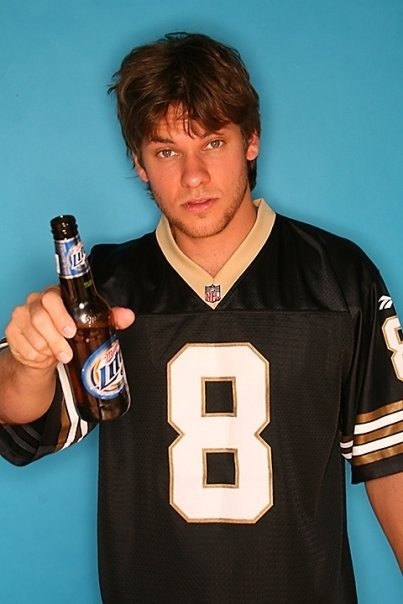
205, 434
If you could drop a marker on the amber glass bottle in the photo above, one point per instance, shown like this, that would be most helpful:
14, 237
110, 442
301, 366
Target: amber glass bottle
96, 372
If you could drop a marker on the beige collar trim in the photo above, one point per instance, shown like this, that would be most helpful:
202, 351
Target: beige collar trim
213, 290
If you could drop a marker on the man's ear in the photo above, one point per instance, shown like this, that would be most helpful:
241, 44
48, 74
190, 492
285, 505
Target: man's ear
139, 168
252, 149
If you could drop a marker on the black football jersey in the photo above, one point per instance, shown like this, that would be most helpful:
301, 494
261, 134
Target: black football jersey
224, 482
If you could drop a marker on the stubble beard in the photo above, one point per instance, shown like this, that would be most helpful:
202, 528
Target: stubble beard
200, 231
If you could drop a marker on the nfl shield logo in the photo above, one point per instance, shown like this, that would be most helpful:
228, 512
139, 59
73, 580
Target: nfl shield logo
212, 293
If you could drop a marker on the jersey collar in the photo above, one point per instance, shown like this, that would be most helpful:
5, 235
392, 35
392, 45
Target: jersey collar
213, 290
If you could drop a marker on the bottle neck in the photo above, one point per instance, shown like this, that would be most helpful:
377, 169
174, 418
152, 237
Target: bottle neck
78, 289
74, 270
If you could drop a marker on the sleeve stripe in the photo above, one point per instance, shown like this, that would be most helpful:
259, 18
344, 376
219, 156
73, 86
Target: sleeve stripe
363, 418
347, 444
75, 421
19, 441
347, 449
378, 455
375, 424
30, 431
379, 444
390, 429
377, 435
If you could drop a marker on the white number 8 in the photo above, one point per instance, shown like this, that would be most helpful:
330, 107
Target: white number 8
391, 331
237, 432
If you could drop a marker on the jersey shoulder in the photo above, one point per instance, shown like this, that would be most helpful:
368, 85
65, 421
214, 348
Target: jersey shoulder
330, 254
304, 267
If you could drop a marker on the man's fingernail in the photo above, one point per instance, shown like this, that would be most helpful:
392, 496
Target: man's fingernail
64, 357
69, 331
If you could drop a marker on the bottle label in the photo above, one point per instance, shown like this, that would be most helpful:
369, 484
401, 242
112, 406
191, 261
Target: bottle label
71, 260
103, 374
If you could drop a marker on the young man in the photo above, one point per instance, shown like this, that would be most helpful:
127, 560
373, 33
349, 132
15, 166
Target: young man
260, 346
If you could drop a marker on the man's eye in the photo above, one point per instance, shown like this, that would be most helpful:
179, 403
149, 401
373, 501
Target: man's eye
215, 144
165, 153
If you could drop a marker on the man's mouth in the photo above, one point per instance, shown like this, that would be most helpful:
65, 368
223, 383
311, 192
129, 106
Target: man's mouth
200, 205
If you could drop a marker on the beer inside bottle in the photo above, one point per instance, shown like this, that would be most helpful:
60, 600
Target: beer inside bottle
96, 372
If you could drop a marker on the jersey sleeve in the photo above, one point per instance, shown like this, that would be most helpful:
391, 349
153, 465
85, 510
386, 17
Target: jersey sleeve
59, 428
372, 412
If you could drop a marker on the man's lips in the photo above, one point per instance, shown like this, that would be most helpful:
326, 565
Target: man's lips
199, 205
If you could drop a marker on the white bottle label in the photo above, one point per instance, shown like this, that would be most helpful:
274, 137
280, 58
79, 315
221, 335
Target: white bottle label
103, 374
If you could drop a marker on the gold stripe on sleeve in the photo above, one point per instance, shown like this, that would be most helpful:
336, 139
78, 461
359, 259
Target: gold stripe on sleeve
380, 433
363, 418
378, 455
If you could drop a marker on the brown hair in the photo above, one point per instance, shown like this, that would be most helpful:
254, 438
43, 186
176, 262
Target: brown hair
203, 79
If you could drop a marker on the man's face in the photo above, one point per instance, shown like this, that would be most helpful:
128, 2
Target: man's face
199, 180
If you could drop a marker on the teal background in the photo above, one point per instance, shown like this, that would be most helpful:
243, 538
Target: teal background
330, 78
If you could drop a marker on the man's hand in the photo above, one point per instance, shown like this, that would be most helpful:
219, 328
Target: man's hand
39, 330
37, 337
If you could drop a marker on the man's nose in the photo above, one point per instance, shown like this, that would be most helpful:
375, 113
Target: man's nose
194, 171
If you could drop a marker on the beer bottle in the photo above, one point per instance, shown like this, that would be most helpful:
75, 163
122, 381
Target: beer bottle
96, 371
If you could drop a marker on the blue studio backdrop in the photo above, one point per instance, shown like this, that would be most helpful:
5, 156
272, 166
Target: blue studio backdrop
329, 73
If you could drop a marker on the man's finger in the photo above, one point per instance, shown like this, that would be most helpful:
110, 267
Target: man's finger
122, 317
53, 304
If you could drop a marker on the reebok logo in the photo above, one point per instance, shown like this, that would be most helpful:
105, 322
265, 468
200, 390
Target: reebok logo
385, 302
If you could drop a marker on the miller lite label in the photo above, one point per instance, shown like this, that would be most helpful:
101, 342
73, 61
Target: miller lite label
103, 374
71, 260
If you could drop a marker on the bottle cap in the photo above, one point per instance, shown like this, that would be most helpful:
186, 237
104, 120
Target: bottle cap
64, 227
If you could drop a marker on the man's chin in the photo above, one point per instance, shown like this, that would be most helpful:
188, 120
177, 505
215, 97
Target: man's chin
197, 231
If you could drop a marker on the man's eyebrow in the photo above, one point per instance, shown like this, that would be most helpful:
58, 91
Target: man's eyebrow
160, 139
155, 138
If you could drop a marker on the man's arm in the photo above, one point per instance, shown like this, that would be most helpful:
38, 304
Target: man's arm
36, 337
25, 393
386, 497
